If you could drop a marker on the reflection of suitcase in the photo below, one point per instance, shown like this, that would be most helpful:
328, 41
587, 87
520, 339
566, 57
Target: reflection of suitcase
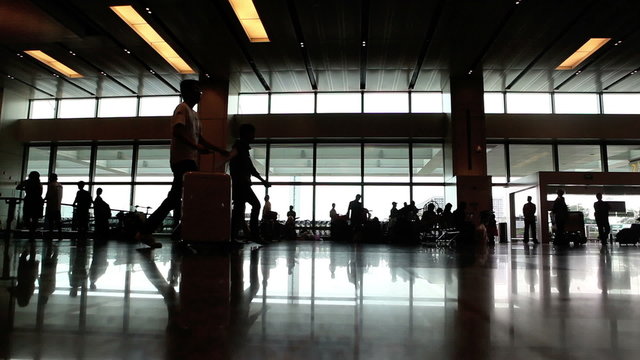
206, 207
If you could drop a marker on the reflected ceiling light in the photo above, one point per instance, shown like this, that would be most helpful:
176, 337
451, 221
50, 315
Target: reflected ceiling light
250, 20
53, 63
129, 15
586, 50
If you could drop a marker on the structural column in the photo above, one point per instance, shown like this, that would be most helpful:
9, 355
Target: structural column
212, 111
465, 147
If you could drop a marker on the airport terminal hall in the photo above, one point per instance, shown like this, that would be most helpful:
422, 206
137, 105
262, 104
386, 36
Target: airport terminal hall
320, 179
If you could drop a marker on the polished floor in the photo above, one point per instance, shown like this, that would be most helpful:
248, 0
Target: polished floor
317, 300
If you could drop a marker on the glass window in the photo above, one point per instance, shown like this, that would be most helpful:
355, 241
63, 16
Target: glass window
338, 163
117, 196
528, 103
42, 109
158, 105
496, 163
386, 102
623, 158
258, 155
150, 196
253, 104
423, 195
339, 103
378, 199
118, 107
386, 163
576, 103
426, 102
621, 103
527, 159
291, 163
39, 161
427, 163
77, 108
338, 194
302, 103
153, 164
113, 164
282, 196
72, 163
493, 103
579, 158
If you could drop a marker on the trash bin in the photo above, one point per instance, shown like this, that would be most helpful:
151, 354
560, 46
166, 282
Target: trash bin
502, 232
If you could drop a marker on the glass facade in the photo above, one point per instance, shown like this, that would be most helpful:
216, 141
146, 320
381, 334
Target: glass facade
623, 158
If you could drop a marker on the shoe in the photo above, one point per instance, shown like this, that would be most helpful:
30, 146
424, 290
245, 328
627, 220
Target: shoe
148, 240
536, 242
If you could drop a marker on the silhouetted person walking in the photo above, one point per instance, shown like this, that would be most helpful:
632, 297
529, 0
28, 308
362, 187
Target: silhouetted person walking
561, 215
187, 143
32, 202
102, 214
529, 211
53, 216
602, 209
82, 203
241, 169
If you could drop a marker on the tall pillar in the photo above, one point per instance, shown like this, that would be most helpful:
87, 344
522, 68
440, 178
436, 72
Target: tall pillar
466, 145
212, 111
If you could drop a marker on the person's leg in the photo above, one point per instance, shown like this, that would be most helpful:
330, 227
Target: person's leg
527, 225
252, 199
533, 231
173, 200
606, 232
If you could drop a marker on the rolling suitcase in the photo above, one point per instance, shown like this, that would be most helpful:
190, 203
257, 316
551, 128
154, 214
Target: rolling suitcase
206, 207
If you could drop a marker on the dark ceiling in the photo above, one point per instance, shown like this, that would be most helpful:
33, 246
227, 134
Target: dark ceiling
409, 44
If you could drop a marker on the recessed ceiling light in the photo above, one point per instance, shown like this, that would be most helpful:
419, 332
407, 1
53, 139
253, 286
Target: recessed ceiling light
130, 16
53, 63
586, 50
250, 20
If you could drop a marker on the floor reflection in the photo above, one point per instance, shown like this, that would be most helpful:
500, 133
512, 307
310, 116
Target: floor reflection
83, 299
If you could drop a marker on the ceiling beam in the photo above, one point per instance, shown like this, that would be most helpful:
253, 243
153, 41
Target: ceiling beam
494, 36
607, 48
63, 11
623, 78
364, 42
424, 49
99, 70
293, 13
11, 77
551, 44
235, 30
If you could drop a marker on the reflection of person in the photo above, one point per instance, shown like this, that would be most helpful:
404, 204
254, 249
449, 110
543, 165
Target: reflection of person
27, 274
98, 263
561, 214
53, 217
241, 169
82, 203
77, 269
186, 143
529, 211
33, 203
101, 213
602, 209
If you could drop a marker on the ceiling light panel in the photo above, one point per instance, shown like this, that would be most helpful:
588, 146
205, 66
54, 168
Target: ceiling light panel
130, 16
250, 20
53, 63
586, 50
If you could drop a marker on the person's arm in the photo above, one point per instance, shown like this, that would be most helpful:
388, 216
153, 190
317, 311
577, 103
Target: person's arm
212, 147
256, 174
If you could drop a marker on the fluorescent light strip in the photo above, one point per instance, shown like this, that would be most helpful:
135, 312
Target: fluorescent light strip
250, 20
586, 50
53, 63
130, 16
